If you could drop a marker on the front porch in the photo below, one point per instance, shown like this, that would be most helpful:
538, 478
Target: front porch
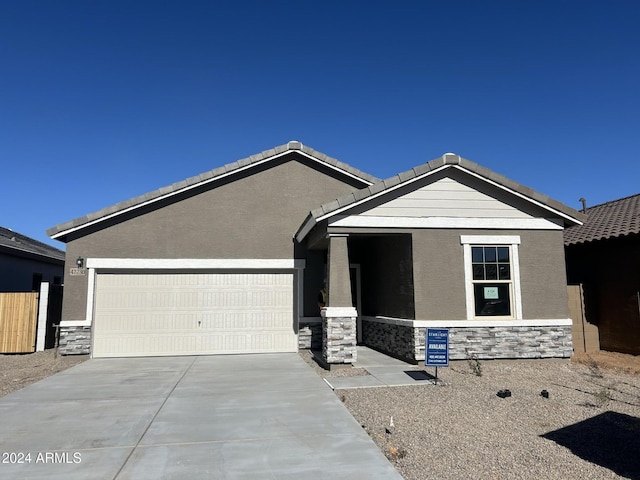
364, 275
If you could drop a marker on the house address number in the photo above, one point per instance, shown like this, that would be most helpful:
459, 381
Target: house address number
77, 271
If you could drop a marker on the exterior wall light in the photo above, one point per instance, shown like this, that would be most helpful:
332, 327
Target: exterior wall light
80, 262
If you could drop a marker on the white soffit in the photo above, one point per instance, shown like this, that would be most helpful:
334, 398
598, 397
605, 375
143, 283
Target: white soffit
446, 222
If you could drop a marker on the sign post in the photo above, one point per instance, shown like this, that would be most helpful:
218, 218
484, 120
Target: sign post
437, 348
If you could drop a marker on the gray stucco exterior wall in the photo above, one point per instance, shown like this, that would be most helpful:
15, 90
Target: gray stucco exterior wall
543, 275
438, 265
252, 217
438, 275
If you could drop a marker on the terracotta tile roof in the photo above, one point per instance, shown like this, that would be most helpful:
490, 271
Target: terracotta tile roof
608, 220
23, 244
571, 215
59, 230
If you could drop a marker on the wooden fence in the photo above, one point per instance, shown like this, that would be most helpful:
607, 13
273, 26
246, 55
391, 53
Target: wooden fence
585, 335
18, 320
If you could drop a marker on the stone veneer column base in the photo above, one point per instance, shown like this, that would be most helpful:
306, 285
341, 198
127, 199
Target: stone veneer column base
75, 340
339, 335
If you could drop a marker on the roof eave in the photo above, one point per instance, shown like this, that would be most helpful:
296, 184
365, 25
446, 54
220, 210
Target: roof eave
569, 216
60, 231
29, 253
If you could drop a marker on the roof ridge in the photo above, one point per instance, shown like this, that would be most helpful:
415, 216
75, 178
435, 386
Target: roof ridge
614, 201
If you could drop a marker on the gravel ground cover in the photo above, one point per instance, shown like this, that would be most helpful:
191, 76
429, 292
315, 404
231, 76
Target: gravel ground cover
587, 428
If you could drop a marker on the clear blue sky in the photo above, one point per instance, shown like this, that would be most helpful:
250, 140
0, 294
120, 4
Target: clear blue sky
101, 101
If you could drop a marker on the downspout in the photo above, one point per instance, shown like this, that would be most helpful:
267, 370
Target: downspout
583, 317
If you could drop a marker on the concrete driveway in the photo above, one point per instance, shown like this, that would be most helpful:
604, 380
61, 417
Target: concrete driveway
240, 416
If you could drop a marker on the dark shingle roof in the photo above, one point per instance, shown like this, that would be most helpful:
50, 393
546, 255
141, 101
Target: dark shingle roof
21, 243
61, 229
571, 215
608, 220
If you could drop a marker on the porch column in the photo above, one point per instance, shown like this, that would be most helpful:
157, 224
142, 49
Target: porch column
339, 317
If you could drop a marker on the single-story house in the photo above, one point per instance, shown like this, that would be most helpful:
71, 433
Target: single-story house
25, 263
233, 260
603, 254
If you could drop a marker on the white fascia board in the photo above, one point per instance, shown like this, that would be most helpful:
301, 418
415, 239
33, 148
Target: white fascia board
333, 167
205, 182
520, 195
364, 221
196, 263
559, 322
167, 195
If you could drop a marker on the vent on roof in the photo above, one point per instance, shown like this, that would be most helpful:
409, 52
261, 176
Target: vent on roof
584, 204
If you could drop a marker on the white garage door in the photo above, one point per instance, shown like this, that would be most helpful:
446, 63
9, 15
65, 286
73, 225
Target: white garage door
155, 314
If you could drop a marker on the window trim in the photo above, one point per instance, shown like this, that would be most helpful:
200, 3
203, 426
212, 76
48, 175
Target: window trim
513, 241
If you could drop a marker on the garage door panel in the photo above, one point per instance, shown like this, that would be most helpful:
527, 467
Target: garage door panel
187, 314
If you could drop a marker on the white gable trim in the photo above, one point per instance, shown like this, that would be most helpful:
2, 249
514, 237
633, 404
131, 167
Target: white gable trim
205, 182
518, 194
311, 222
446, 222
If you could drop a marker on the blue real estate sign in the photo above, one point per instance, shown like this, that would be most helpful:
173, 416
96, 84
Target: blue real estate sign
437, 347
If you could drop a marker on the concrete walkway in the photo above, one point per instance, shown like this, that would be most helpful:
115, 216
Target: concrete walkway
235, 417
384, 371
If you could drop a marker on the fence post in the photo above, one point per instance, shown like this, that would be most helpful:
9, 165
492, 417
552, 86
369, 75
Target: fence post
43, 305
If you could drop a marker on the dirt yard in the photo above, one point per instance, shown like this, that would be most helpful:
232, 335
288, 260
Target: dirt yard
19, 370
617, 362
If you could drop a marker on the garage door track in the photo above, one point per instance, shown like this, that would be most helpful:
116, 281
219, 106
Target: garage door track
238, 416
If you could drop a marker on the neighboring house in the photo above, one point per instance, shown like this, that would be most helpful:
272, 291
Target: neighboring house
232, 261
603, 255
25, 263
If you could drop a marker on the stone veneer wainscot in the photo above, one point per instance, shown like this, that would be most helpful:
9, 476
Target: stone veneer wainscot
75, 340
310, 335
405, 339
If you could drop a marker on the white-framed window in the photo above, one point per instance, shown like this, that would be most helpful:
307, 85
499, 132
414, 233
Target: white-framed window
492, 276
